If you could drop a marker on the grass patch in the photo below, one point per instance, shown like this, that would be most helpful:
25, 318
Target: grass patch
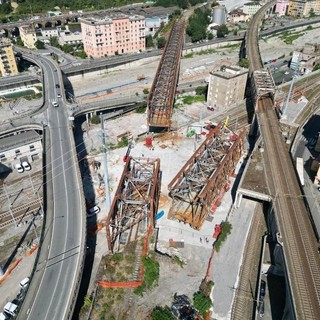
151, 275
225, 231
178, 261
141, 109
193, 99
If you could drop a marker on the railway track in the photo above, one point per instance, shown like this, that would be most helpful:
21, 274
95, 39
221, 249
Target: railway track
296, 235
18, 213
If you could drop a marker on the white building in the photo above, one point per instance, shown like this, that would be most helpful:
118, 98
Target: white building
153, 24
50, 32
17, 147
251, 8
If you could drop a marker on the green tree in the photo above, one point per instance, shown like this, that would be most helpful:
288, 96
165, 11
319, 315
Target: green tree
149, 41
39, 44
95, 119
312, 13
19, 42
202, 303
222, 31
67, 48
244, 63
54, 42
201, 90
162, 313
5, 8
197, 25
210, 36
161, 42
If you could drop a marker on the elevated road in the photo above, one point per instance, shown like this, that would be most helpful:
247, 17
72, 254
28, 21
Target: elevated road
56, 278
295, 235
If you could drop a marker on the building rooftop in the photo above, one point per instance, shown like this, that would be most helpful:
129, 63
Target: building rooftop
230, 72
18, 140
108, 19
5, 42
26, 29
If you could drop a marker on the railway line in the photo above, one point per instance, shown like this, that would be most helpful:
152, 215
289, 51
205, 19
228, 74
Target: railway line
17, 214
295, 235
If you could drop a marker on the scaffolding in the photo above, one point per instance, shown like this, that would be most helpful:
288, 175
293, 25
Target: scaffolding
197, 189
161, 97
135, 202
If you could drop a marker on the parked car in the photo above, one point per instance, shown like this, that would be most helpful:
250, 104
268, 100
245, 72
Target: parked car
93, 211
24, 283
10, 308
26, 165
262, 289
19, 167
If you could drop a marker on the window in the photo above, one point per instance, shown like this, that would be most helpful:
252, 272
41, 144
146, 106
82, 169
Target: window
17, 151
32, 147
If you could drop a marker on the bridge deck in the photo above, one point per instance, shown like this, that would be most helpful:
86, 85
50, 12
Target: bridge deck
161, 97
296, 233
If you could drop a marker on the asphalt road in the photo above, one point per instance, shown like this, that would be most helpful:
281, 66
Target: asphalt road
52, 288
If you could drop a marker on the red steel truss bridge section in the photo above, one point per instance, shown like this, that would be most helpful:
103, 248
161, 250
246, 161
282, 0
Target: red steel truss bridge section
161, 97
136, 200
198, 187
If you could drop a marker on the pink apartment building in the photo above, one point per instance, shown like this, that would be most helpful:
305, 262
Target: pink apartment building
281, 7
113, 35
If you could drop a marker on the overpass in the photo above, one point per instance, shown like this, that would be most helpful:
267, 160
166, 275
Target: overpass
59, 263
293, 231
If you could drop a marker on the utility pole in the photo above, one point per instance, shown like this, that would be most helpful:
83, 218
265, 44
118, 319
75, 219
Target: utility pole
288, 97
105, 164
6, 192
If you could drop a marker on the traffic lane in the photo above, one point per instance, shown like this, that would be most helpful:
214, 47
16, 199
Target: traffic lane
64, 254
49, 306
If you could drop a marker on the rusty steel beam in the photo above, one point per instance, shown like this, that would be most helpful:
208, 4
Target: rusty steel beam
198, 187
162, 92
136, 199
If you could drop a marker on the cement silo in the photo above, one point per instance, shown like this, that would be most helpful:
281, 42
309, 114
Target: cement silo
219, 15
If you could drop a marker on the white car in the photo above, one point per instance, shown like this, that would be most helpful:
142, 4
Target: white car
58, 95
55, 104
24, 283
93, 211
26, 165
19, 167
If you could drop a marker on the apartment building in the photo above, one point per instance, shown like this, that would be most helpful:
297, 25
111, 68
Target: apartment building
281, 7
251, 8
28, 36
8, 65
113, 35
303, 8
227, 87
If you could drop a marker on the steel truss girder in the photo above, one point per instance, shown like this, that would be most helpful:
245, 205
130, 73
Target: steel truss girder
161, 96
201, 181
136, 198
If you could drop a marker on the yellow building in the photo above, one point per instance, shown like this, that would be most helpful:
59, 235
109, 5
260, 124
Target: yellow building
8, 65
28, 36
303, 8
